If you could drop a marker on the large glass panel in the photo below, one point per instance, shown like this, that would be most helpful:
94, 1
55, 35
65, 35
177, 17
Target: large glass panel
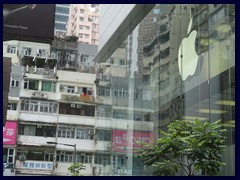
178, 63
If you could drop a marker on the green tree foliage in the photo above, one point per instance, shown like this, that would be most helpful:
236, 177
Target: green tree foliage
192, 147
75, 169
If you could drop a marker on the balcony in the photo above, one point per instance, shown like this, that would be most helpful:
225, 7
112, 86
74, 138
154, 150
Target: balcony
38, 94
76, 98
74, 119
38, 117
86, 98
34, 140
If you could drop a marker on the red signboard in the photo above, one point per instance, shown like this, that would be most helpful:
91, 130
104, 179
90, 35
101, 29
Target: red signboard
124, 141
9, 133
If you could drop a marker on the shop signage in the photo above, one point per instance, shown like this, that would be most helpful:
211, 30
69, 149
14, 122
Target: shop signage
9, 133
124, 141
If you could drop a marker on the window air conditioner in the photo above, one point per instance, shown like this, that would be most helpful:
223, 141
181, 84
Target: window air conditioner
39, 125
79, 106
34, 94
43, 95
62, 152
73, 105
22, 157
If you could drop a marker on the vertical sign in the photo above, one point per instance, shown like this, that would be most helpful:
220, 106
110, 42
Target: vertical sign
9, 133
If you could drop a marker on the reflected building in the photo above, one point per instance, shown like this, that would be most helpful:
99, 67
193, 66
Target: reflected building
182, 63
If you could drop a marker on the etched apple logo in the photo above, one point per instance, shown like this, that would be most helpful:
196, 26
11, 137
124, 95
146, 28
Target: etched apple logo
187, 56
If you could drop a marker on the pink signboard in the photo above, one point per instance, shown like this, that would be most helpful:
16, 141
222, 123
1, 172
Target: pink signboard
124, 141
9, 133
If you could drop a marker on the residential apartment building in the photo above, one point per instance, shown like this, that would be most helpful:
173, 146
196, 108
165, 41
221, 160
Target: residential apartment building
84, 23
46, 103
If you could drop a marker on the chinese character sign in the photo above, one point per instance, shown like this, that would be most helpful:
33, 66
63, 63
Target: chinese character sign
37, 165
124, 141
9, 133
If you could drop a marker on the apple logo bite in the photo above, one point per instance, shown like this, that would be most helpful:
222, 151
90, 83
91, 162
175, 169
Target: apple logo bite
187, 56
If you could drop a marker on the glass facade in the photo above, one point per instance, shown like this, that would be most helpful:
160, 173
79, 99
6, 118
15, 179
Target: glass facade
179, 66
61, 18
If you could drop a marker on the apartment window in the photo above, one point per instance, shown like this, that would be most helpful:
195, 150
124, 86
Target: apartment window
31, 84
81, 10
48, 107
103, 91
29, 130
12, 106
87, 158
120, 93
83, 133
70, 89
104, 111
45, 131
104, 135
87, 27
42, 53
65, 132
49, 86
67, 89
121, 160
85, 58
64, 156
111, 60
119, 115
27, 105
81, 27
80, 35
33, 106
44, 107
11, 49
104, 159
8, 155
54, 55
26, 51
90, 19
48, 156
81, 18
86, 36
121, 62
94, 41
37, 130
94, 25
14, 83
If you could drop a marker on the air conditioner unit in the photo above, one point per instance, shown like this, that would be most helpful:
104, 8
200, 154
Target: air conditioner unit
82, 154
89, 131
79, 106
62, 152
39, 125
73, 105
43, 95
22, 157
35, 94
